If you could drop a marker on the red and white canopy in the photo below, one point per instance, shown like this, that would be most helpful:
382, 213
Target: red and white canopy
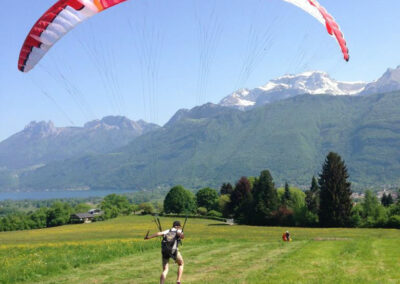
317, 11
67, 14
54, 24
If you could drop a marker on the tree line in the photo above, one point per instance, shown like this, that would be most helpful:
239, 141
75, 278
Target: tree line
58, 213
252, 201
256, 201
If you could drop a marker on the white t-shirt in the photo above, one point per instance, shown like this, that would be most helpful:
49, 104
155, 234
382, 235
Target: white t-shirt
179, 231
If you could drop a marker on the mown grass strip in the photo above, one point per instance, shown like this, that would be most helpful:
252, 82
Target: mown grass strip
114, 252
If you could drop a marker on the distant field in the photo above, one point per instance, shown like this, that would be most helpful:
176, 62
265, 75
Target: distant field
114, 252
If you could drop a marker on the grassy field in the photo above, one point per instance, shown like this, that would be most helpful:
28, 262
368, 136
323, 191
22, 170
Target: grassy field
114, 252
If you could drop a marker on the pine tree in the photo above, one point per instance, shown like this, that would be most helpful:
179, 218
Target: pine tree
241, 200
398, 197
312, 197
335, 195
265, 199
226, 188
386, 200
286, 197
390, 200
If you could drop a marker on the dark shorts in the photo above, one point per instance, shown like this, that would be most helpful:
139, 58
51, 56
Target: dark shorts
177, 259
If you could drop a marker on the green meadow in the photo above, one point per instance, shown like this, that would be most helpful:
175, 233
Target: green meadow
114, 252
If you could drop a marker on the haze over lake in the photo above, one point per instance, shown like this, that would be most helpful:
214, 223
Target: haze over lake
39, 195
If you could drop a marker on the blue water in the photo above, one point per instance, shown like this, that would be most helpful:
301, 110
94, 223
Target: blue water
39, 195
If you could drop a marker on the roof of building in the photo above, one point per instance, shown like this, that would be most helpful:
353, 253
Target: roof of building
84, 215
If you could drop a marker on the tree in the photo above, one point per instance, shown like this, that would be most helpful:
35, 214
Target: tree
373, 212
82, 208
252, 180
241, 200
179, 200
286, 197
223, 203
356, 215
135, 208
58, 214
146, 208
207, 198
335, 195
369, 205
312, 197
118, 203
297, 197
265, 199
39, 218
398, 197
383, 199
226, 188
284, 216
387, 200
158, 206
110, 212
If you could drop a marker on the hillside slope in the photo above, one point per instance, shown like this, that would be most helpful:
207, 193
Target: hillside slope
291, 138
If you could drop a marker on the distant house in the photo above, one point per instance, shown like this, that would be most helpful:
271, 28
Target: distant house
95, 211
86, 217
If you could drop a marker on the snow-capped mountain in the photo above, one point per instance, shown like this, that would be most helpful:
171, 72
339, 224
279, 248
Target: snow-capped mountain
289, 86
389, 82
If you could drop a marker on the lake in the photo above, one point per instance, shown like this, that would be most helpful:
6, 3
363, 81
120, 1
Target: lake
39, 195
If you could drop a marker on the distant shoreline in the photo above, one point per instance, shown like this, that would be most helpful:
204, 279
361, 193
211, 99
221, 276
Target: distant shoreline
44, 195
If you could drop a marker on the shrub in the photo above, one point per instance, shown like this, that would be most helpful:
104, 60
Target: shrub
202, 211
304, 217
214, 213
146, 208
394, 222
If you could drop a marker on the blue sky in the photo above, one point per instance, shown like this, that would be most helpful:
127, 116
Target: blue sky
147, 59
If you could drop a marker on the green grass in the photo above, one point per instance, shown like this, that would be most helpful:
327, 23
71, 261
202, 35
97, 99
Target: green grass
114, 252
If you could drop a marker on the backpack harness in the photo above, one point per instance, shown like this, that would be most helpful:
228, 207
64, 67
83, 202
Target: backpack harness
169, 245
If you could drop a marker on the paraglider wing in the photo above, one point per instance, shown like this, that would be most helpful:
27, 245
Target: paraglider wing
67, 14
317, 11
54, 24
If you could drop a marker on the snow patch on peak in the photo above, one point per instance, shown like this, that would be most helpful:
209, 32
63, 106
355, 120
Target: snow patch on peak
310, 82
311, 73
240, 99
389, 82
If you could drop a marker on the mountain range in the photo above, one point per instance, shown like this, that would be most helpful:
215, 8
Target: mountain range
281, 129
42, 142
313, 83
289, 137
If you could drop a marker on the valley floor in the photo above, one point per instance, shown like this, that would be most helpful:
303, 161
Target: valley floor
113, 252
